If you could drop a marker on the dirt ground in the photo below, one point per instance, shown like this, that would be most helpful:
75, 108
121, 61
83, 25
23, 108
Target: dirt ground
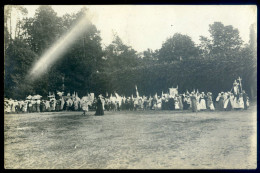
131, 140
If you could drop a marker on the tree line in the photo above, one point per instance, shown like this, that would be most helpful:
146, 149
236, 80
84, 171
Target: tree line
87, 67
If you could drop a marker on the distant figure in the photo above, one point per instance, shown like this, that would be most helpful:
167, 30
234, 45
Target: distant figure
99, 110
245, 99
221, 102
193, 99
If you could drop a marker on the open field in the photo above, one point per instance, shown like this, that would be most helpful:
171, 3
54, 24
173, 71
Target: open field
131, 140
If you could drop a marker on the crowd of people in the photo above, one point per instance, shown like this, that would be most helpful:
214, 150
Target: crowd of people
196, 101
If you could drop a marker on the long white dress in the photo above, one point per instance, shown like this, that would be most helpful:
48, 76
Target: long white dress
226, 103
241, 102
198, 103
211, 106
202, 104
176, 104
232, 101
235, 103
85, 105
62, 103
8, 107
159, 104
25, 106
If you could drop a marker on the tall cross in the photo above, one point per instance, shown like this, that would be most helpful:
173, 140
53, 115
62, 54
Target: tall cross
239, 79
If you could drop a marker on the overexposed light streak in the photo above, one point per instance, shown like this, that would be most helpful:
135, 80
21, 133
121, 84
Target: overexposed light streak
59, 48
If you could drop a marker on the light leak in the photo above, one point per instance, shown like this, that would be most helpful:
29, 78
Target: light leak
59, 48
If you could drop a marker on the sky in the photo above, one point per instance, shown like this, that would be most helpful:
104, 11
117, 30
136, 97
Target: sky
148, 26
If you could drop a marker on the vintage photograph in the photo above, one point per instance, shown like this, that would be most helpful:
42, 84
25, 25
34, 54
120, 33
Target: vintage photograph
130, 86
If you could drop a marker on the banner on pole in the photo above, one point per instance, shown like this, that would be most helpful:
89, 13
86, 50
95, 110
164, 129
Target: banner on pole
173, 91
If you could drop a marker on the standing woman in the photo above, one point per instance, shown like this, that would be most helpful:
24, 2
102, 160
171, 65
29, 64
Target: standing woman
180, 102
99, 110
221, 102
210, 102
193, 99
202, 102
84, 104
217, 101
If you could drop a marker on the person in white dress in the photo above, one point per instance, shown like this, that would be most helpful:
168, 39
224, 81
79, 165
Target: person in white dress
25, 104
232, 100
62, 102
7, 106
198, 101
202, 102
241, 101
210, 101
84, 103
176, 103
159, 103
226, 100
235, 103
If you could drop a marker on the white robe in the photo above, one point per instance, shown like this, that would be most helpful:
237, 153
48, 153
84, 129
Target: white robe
203, 104
235, 103
211, 107
226, 103
198, 103
241, 103
176, 104
159, 103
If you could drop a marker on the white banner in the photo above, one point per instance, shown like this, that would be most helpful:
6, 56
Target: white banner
173, 91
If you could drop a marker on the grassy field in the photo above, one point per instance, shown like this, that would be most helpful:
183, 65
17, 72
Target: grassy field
131, 140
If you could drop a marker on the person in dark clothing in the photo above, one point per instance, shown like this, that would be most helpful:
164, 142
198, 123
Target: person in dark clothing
131, 104
163, 103
99, 110
185, 103
221, 102
171, 104
245, 99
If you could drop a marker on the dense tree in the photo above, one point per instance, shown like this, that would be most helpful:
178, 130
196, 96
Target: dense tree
87, 68
42, 29
83, 59
178, 47
224, 42
8, 28
18, 59
253, 39
119, 56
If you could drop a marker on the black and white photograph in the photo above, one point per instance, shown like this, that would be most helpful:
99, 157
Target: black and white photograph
130, 87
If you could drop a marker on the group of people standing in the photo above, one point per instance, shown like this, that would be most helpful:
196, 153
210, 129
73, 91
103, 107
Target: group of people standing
195, 101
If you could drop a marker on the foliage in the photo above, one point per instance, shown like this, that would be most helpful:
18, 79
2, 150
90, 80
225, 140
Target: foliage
224, 43
86, 67
178, 47
18, 59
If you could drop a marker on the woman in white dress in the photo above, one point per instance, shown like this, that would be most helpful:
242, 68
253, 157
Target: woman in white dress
47, 106
235, 103
25, 106
226, 100
84, 103
176, 103
7, 106
232, 100
210, 101
198, 101
202, 102
241, 101
159, 103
